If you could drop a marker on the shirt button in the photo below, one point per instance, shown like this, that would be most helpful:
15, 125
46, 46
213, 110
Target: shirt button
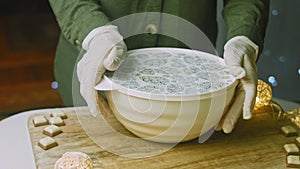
151, 29
77, 42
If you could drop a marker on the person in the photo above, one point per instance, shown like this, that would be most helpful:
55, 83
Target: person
85, 26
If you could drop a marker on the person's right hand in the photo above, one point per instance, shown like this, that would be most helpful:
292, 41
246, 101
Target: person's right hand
105, 50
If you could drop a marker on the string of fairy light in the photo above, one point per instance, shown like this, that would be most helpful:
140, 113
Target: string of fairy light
264, 99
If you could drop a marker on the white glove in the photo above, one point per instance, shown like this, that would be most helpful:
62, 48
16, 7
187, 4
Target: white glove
105, 50
240, 55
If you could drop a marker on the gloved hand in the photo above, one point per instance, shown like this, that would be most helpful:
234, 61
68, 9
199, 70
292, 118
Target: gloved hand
240, 55
105, 50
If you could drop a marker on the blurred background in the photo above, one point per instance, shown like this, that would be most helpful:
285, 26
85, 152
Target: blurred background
28, 38
279, 62
29, 34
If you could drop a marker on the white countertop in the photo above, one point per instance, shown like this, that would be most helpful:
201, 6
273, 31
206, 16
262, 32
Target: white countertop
15, 145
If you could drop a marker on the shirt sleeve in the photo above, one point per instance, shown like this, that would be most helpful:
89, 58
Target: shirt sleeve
76, 18
247, 18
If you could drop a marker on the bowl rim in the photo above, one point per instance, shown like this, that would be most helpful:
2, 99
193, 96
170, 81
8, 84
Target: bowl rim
154, 96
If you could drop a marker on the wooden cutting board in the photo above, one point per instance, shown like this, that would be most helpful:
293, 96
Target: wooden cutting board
256, 143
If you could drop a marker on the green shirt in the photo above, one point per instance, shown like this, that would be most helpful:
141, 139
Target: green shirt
77, 18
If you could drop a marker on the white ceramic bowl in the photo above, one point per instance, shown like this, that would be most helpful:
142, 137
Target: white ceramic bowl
169, 94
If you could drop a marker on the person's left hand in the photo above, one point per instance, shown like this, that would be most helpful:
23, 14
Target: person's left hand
240, 55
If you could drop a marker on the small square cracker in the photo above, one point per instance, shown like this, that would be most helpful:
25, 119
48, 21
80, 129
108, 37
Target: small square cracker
289, 131
39, 121
52, 130
293, 161
47, 143
58, 113
56, 121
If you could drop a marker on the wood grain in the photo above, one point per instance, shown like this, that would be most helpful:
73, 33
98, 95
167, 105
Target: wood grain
256, 143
